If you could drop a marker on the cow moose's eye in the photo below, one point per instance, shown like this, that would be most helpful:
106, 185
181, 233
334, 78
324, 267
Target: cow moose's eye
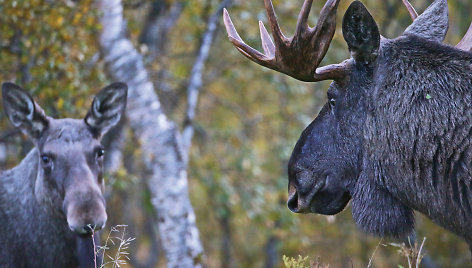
100, 152
46, 159
332, 102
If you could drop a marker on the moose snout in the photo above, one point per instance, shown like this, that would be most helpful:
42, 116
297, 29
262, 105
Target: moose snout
85, 213
87, 227
302, 188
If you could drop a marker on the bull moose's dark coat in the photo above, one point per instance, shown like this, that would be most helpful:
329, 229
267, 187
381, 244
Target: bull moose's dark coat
52, 200
396, 132
395, 135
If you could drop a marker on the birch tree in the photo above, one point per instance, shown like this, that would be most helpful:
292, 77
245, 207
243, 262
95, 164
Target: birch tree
164, 149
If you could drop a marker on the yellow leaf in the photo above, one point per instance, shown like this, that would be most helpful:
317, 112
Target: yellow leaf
77, 18
60, 103
59, 21
90, 21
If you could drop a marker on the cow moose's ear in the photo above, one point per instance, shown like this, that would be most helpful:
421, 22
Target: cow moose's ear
107, 108
361, 33
22, 111
433, 23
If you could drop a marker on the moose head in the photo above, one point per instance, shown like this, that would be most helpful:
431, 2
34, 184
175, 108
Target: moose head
69, 181
388, 137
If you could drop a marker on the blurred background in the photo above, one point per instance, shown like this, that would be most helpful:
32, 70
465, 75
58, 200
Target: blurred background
247, 121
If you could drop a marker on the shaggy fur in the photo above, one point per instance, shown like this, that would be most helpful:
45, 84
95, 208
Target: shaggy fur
395, 135
419, 128
36, 236
49, 202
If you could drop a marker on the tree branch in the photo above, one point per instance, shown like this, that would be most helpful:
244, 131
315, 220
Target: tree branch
159, 141
160, 20
195, 81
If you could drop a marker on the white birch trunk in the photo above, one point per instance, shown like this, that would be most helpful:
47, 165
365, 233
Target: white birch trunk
160, 142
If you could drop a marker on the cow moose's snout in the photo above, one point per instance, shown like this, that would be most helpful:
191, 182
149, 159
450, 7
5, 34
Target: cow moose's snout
86, 225
85, 228
85, 212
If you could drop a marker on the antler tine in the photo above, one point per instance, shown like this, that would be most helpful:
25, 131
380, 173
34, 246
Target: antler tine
267, 44
302, 22
230, 29
246, 50
324, 30
279, 37
466, 42
332, 71
300, 55
411, 9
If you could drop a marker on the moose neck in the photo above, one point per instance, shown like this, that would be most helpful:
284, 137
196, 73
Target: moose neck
419, 129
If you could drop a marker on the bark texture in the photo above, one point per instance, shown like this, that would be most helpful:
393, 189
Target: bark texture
195, 80
160, 20
160, 142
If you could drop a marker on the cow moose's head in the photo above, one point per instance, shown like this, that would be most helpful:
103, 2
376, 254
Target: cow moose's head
69, 178
328, 164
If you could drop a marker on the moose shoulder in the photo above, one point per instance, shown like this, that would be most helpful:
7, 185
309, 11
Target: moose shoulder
53, 200
395, 134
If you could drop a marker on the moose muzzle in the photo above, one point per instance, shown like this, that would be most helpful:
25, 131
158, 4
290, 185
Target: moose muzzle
85, 211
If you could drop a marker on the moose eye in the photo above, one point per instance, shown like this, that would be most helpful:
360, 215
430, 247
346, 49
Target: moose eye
100, 153
46, 159
332, 102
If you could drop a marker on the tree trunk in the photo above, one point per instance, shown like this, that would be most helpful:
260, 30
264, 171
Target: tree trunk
226, 259
195, 80
271, 252
160, 142
160, 20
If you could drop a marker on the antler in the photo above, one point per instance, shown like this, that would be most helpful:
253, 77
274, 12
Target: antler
300, 55
466, 41
411, 9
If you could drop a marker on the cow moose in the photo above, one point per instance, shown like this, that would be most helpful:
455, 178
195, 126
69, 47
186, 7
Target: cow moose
52, 202
395, 134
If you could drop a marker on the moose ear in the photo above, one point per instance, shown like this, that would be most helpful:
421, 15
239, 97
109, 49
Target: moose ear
361, 33
22, 111
107, 108
433, 23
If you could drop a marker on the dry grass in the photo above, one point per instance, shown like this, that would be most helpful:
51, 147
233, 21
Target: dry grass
118, 242
412, 252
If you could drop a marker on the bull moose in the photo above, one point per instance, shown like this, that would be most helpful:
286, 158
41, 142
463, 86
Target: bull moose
395, 134
51, 202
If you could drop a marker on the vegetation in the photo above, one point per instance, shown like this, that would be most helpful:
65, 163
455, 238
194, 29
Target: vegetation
117, 242
303, 262
412, 253
248, 120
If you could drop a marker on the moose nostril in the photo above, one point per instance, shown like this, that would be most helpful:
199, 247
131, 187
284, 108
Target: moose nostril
293, 202
89, 228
